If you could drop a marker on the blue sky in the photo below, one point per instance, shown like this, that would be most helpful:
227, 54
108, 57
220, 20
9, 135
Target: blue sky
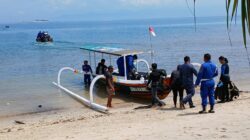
28, 10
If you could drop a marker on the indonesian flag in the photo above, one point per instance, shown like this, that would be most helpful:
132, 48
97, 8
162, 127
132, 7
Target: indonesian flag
151, 31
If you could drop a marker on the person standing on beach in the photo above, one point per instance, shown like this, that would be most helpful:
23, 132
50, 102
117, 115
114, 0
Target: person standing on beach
225, 79
187, 72
154, 79
176, 85
87, 72
207, 72
110, 85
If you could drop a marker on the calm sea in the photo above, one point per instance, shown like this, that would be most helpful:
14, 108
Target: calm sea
27, 68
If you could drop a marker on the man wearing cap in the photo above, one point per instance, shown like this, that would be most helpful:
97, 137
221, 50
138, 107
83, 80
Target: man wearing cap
110, 85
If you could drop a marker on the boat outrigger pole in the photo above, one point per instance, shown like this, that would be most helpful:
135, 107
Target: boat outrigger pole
90, 103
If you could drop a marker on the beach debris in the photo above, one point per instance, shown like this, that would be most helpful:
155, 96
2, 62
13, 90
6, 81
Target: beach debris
19, 122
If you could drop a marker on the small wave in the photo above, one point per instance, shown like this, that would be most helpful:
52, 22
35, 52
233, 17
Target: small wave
47, 44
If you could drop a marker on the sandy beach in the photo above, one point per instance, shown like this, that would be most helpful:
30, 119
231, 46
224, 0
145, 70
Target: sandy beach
124, 122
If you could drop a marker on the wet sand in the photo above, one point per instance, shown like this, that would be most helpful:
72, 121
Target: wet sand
231, 121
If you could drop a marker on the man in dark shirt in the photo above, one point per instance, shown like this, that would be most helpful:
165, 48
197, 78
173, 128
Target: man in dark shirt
87, 72
110, 85
154, 79
187, 75
101, 68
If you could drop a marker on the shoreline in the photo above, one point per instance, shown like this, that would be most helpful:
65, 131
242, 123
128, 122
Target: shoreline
124, 122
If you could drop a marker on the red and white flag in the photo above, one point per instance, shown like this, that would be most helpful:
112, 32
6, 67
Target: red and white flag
151, 31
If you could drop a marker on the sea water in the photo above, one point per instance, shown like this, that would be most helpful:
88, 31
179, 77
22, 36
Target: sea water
27, 68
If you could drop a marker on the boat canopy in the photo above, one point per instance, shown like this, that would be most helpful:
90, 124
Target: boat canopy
115, 52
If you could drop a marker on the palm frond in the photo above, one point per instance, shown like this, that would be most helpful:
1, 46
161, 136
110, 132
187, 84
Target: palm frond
232, 6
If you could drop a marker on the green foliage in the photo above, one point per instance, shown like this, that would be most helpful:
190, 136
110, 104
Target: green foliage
232, 8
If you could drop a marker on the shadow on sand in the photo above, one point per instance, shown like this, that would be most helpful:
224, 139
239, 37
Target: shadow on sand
170, 109
189, 114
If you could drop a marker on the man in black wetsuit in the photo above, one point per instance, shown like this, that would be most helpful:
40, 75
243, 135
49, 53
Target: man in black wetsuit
154, 79
176, 85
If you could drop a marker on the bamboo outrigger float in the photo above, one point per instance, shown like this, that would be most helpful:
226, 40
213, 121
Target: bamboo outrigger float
136, 88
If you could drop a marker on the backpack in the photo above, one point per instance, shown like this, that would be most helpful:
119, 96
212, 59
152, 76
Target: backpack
233, 91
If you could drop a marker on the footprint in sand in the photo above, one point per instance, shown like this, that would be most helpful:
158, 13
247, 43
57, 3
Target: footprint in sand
199, 135
223, 130
224, 136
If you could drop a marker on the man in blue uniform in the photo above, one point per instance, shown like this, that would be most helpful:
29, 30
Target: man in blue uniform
129, 65
207, 72
87, 71
187, 72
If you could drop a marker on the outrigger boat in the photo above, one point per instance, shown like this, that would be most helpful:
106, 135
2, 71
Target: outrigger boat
123, 85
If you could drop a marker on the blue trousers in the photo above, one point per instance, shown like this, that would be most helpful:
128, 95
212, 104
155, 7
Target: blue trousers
207, 91
190, 93
87, 79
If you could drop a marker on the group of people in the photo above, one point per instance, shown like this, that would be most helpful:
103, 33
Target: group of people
88, 72
182, 79
101, 69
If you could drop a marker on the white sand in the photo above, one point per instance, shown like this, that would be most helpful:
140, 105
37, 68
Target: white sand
231, 121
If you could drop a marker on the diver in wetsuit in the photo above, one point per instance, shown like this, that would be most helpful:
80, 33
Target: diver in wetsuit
225, 79
176, 85
207, 72
154, 79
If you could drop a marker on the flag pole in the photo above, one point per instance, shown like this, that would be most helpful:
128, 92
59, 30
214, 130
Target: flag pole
151, 45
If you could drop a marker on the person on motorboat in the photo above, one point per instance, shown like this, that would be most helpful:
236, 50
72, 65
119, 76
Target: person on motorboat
87, 72
154, 80
44, 37
130, 66
101, 68
39, 35
187, 72
224, 79
110, 88
206, 75
133, 74
176, 85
